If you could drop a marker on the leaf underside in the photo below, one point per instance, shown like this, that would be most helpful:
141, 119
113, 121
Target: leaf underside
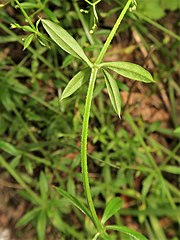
113, 92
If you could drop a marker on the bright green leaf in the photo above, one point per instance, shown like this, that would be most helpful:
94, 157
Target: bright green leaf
43, 185
170, 5
9, 148
129, 70
147, 182
64, 40
126, 230
56, 220
177, 131
76, 82
113, 91
28, 41
28, 217
28, 5
27, 28
71, 186
171, 169
74, 201
41, 225
15, 162
111, 208
153, 10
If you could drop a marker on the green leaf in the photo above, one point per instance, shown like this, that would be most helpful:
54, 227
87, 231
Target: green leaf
129, 70
65, 40
9, 148
27, 28
43, 185
170, 5
50, 15
147, 182
28, 217
28, 41
56, 219
126, 230
15, 162
19, 87
112, 207
76, 82
177, 131
113, 91
41, 225
153, 9
74, 201
71, 186
171, 169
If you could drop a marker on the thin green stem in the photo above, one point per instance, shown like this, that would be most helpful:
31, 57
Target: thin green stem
89, 36
90, 3
112, 33
85, 125
172, 101
25, 15
84, 136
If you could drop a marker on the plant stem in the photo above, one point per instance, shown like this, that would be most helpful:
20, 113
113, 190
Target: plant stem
84, 136
25, 15
113, 32
85, 124
89, 36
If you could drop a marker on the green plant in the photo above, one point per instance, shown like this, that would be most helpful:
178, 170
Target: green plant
39, 120
130, 70
160, 5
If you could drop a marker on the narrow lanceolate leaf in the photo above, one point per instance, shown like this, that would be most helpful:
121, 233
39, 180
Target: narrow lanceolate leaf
43, 185
135, 235
9, 148
111, 208
129, 70
74, 200
76, 82
41, 225
113, 92
64, 40
28, 217
28, 41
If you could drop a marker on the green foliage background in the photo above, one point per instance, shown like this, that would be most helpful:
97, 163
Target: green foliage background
40, 138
